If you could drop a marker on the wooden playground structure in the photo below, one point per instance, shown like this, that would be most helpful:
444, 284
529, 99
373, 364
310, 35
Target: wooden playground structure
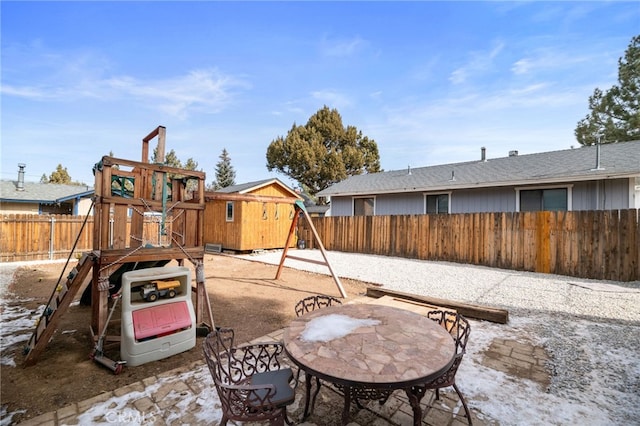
165, 208
145, 215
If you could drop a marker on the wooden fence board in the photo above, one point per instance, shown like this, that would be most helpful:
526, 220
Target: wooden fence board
629, 244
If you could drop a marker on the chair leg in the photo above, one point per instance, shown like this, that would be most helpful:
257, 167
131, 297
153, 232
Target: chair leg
464, 404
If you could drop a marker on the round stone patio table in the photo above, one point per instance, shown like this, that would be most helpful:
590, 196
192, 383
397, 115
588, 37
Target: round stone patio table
369, 351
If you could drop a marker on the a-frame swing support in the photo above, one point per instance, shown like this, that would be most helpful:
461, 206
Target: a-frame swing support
300, 208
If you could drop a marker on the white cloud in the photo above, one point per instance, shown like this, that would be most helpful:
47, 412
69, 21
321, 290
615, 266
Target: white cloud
332, 98
34, 93
522, 66
342, 48
479, 63
553, 59
206, 91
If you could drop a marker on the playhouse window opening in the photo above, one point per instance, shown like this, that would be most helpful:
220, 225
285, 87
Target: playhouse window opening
230, 211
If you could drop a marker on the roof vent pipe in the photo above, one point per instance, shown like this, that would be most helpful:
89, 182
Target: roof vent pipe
20, 186
598, 166
483, 154
409, 169
453, 175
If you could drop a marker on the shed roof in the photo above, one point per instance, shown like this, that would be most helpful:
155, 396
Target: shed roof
245, 188
617, 160
45, 193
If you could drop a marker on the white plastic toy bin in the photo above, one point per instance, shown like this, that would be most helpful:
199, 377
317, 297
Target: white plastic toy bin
158, 319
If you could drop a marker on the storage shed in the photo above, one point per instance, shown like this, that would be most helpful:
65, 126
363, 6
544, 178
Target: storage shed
250, 216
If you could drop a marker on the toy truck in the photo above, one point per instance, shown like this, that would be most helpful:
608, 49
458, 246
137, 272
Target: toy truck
160, 288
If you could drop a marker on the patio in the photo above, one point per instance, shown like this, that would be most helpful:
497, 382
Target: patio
187, 396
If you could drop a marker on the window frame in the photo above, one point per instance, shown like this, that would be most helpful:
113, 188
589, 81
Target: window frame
230, 204
568, 187
433, 194
365, 197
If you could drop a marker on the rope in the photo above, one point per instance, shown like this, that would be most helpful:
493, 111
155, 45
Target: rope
103, 283
173, 206
84, 222
119, 260
191, 259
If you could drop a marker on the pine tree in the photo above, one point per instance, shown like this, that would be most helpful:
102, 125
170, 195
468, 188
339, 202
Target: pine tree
171, 159
615, 113
323, 152
60, 176
225, 174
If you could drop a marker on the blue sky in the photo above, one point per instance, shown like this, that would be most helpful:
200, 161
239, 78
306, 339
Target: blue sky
430, 82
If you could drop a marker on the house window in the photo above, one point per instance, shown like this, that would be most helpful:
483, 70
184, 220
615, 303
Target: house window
551, 199
438, 203
363, 206
229, 211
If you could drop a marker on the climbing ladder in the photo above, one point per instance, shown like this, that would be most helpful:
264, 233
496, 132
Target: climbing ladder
299, 207
61, 297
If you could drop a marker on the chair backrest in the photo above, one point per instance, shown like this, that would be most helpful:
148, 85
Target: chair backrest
218, 353
457, 325
250, 384
312, 303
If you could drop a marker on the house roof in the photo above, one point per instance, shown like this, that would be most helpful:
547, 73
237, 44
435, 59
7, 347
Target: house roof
617, 160
44, 193
245, 188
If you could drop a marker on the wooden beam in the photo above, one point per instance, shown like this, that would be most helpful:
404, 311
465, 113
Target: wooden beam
145, 142
160, 149
304, 259
486, 313
210, 196
150, 254
108, 161
292, 230
155, 205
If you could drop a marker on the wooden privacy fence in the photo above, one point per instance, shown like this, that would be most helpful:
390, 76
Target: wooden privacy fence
586, 244
47, 237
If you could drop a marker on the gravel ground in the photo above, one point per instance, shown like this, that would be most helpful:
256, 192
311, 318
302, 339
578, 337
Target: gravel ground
511, 290
590, 329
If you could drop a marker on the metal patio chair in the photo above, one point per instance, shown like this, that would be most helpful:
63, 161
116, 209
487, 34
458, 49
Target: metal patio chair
459, 328
249, 379
311, 303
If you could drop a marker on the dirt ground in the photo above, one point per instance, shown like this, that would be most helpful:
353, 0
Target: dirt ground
244, 296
